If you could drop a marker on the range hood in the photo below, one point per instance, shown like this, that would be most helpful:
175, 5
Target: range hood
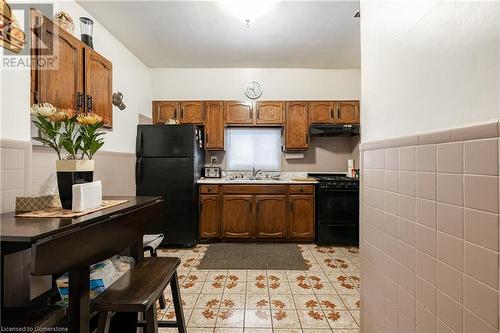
334, 130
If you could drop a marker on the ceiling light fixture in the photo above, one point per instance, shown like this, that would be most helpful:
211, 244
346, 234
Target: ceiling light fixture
247, 11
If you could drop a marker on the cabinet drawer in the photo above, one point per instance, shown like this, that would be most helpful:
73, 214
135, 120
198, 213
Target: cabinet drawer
254, 189
209, 189
301, 189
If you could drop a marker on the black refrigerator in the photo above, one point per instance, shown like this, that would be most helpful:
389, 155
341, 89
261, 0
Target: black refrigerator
169, 162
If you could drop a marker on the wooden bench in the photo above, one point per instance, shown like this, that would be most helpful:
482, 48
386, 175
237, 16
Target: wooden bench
31, 317
138, 290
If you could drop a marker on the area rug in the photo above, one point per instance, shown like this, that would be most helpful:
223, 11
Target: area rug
253, 256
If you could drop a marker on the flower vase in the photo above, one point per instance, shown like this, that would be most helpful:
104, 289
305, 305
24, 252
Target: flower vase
69, 173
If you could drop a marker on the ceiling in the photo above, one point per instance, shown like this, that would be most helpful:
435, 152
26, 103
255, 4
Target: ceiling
199, 34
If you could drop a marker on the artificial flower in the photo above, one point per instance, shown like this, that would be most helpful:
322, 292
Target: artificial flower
62, 115
89, 119
43, 109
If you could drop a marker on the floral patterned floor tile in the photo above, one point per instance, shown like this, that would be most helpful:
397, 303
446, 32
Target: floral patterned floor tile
324, 298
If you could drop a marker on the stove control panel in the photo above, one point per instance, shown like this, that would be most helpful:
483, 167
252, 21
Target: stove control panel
339, 185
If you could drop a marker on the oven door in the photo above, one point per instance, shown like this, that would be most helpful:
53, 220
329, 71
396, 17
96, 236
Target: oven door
338, 206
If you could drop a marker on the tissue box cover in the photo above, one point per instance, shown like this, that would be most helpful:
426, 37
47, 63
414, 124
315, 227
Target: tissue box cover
35, 203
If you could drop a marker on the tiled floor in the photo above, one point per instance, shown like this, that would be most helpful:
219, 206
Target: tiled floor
323, 299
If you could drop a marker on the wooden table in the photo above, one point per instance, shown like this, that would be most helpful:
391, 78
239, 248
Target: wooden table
71, 245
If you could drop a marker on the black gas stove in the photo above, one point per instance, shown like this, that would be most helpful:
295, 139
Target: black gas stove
337, 209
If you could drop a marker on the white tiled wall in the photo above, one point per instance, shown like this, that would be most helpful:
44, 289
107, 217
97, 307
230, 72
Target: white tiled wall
430, 232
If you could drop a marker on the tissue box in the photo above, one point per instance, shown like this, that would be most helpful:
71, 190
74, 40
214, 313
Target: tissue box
86, 196
31, 204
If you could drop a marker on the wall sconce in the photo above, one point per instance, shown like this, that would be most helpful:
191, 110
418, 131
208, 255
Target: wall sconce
118, 100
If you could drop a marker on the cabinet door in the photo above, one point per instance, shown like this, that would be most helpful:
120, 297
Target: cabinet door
99, 86
214, 125
191, 113
209, 216
238, 113
270, 221
301, 210
162, 111
296, 126
62, 85
347, 112
269, 113
321, 112
237, 216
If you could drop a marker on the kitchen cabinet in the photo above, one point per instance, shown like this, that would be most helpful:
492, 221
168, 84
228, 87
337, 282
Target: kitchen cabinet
164, 110
98, 85
81, 78
296, 126
270, 216
191, 113
321, 112
237, 216
269, 113
257, 211
214, 125
347, 112
210, 216
301, 216
239, 113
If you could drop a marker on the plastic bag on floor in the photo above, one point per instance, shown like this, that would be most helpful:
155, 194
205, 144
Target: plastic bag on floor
102, 275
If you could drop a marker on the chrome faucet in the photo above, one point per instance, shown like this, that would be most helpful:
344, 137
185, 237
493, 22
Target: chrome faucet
255, 172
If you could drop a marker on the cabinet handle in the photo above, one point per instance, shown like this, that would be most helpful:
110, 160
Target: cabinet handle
182, 113
206, 138
331, 112
201, 206
175, 113
338, 113
291, 206
209, 189
89, 103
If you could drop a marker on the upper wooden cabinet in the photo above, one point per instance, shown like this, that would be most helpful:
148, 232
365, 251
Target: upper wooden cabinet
270, 216
296, 126
76, 64
162, 111
239, 113
214, 125
269, 113
321, 112
347, 112
191, 113
98, 85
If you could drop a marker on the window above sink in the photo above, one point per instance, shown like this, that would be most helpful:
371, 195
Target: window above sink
249, 148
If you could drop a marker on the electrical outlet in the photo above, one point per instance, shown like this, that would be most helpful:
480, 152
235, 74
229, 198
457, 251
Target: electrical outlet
213, 159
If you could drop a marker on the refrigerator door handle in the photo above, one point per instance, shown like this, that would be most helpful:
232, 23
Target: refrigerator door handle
138, 171
139, 143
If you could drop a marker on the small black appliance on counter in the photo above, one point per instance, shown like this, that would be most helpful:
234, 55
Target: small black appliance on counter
169, 162
337, 209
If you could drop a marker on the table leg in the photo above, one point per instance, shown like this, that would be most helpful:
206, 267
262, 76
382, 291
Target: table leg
79, 304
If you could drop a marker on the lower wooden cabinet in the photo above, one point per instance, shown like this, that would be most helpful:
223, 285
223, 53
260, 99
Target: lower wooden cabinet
237, 216
257, 212
301, 214
210, 216
270, 216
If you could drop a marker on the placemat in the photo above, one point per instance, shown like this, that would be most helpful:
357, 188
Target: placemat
67, 213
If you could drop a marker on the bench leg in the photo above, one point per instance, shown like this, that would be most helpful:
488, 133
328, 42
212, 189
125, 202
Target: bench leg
104, 321
153, 253
151, 321
176, 297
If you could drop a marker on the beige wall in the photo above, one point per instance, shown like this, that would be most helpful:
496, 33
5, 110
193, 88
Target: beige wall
430, 232
326, 154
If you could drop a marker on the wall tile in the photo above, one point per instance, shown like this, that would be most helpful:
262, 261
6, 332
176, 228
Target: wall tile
426, 267
426, 212
368, 159
450, 157
405, 324
481, 192
426, 294
449, 250
473, 323
450, 219
407, 207
481, 299
392, 159
426, 239
425, 185
391, 179
449, 311
407, 304
426, 158
407, 158
449, 281
481, 228
13, 159
426, 320
481, 264
450, 189
407, 255
379, 159
407, 231
481, 157
407, 182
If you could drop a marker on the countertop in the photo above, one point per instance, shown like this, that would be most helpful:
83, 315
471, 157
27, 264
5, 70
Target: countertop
227, 181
